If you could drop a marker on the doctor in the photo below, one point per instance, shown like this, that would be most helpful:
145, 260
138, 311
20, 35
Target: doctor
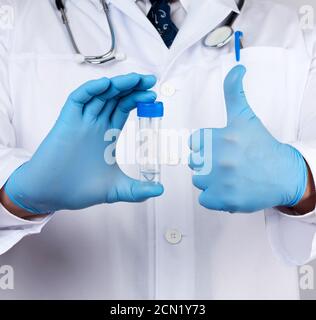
182, 244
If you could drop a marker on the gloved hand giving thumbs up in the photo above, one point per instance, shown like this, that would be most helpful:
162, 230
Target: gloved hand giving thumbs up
251, 170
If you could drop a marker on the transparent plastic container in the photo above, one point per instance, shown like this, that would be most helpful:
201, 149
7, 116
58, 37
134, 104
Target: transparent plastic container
148, 149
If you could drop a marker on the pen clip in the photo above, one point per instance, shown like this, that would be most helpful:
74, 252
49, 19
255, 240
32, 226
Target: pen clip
238, 44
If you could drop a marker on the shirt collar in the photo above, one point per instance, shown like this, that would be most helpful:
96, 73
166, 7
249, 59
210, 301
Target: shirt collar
231, 4
185, 3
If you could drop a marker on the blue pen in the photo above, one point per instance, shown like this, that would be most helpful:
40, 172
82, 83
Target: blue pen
238, 45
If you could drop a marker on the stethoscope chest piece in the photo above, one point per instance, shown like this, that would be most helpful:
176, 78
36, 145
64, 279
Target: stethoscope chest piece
219, 37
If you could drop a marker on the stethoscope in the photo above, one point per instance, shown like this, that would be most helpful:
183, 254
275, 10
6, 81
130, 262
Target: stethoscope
217, 38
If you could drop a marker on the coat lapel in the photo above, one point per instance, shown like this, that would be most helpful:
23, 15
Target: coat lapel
130, 9
203, 16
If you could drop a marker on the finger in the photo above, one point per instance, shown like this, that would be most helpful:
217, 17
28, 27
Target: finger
73, 108
196, 140
200, 181
235, 98
119, 85
106, 101
93, 108
196, 161
104, 116
200, 140
146, 82
125, 82
138, 191
89, 90
211, 201
142, 191
126, 104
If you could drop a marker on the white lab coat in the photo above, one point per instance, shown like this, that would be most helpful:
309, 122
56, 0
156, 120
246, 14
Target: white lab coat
120, 250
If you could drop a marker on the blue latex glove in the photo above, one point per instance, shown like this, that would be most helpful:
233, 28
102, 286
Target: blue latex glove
251, 170
69, 171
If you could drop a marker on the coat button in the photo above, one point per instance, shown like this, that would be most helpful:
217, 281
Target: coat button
167, 89
173, 236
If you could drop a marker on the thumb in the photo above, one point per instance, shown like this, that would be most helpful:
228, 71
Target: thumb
236, 102
139, 191
142, 191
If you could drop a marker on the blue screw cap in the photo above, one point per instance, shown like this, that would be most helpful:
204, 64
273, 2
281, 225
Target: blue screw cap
150, 110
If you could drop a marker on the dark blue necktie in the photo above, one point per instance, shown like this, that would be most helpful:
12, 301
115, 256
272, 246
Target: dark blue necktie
159, 15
